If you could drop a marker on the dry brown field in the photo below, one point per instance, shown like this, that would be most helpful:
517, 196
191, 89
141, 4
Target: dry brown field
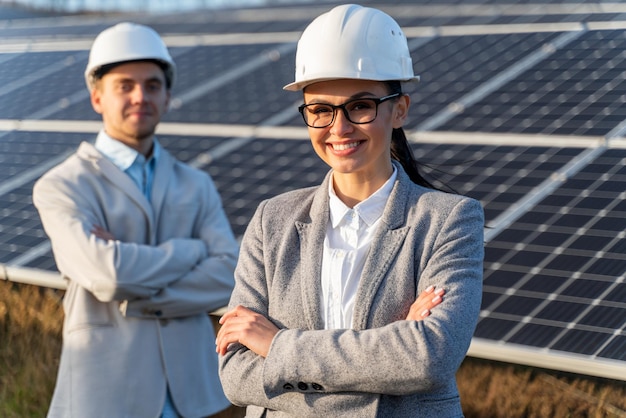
30, 344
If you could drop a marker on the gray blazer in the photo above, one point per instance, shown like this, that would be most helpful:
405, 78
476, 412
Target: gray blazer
136, 308
385, 366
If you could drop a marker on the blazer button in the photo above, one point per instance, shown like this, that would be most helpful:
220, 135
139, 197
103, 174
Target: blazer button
302, 386
317, 386
158, 313
288, 386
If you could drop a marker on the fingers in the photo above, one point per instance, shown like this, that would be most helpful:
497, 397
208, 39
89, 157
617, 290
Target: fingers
102, 233
244, 326
431, 303
426, 301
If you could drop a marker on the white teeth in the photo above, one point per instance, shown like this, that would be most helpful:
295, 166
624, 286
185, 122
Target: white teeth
343, 147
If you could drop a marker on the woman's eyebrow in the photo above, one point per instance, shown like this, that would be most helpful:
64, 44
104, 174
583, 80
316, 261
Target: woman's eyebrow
360, 95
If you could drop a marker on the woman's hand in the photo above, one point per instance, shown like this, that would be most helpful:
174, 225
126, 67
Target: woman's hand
427, 300
244, 326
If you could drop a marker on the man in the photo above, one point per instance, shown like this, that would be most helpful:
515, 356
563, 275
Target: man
145, 246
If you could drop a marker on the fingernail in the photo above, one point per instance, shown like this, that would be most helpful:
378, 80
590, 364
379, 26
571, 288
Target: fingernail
430, 288
439, 291
437, 299
426, 312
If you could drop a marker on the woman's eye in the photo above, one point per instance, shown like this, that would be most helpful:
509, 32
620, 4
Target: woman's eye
361, 105
317, 110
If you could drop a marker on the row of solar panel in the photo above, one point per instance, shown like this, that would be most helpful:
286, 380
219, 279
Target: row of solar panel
576, 90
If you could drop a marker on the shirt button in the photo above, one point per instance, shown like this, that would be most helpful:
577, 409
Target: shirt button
288, 386
302, 386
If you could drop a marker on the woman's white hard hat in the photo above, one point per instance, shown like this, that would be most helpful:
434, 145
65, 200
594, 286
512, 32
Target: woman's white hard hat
127, 42
352, 42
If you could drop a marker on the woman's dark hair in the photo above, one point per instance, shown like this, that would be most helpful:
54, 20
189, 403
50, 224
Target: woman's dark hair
401, 150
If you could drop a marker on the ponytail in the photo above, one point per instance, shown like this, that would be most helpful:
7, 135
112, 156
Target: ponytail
401, 150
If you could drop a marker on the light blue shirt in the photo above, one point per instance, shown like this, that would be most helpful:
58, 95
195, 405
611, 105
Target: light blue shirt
131, 162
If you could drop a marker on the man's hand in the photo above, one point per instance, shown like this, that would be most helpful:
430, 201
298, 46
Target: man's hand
102, 233
426, 301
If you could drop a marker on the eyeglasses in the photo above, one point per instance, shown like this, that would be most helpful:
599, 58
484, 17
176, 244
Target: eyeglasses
358, 111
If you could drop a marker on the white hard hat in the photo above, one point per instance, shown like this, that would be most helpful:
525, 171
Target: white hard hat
351, 41
126, 42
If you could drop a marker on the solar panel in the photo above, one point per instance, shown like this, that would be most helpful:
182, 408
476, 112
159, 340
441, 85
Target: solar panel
555, 284
519, 109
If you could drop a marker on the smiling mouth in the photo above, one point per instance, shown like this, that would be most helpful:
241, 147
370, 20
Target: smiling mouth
345, 146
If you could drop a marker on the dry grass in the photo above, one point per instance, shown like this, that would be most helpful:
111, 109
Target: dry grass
491, 389
30, 345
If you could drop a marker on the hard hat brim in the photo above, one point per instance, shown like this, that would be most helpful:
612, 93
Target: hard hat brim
300, 85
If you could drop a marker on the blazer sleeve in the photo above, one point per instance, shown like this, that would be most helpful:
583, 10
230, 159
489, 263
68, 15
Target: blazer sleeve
208, 285
410, 356
241, 370
110, 270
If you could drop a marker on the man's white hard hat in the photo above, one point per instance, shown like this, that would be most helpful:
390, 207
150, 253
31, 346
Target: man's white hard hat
126, 42
354, 42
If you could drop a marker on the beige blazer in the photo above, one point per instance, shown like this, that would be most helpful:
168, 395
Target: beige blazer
136, 308
385, 366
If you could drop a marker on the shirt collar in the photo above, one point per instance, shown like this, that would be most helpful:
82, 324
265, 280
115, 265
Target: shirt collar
121, 154
370, 210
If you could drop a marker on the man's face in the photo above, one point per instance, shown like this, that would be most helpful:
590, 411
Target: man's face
132, 98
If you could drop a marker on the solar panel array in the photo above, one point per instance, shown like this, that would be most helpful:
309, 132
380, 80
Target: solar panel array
521, 106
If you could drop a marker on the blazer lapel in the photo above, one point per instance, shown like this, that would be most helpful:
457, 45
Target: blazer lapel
385, 246
117, 177
312, 234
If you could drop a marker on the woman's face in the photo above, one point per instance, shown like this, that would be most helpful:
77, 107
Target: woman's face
358, 149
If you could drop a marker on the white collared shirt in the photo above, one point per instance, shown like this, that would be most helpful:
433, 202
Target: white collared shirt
348, 238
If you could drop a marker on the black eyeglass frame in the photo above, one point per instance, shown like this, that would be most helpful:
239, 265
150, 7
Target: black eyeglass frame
376, 100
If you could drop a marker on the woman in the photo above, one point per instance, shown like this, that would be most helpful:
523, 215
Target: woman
324, 320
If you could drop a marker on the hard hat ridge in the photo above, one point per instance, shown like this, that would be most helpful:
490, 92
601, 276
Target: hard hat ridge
351, 41
127, 42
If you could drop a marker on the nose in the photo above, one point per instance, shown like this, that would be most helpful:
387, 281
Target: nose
138, 94
341, 124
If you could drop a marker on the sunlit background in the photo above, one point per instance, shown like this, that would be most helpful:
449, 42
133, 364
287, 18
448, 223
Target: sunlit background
151, 6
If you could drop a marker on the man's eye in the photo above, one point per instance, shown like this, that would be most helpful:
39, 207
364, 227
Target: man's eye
155, 87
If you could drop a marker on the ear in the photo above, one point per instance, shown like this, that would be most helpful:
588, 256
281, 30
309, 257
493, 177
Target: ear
401, 111
96, 99
167, 101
